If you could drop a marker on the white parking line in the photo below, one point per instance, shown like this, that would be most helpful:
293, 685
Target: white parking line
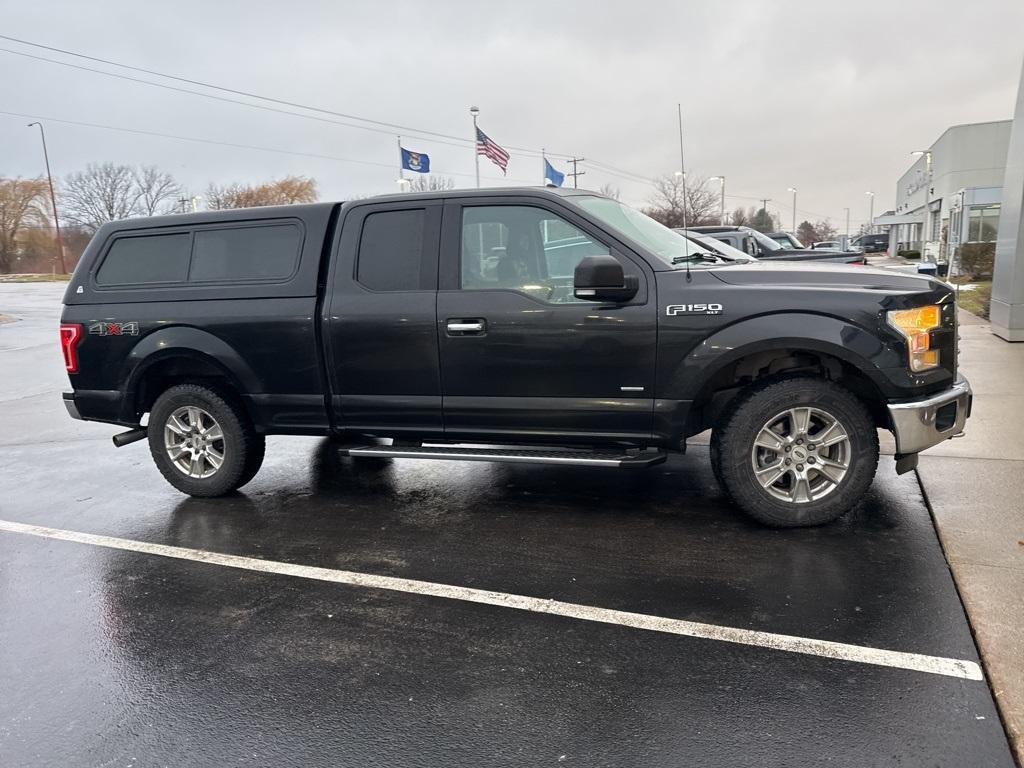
936, 665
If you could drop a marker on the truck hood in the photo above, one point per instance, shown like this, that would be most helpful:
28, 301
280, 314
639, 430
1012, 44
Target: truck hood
825, 275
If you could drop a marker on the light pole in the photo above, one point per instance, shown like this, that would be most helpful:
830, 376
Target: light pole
926, 236
721, 212
474, 111
847, 226
793, 190
871, 213
53, 199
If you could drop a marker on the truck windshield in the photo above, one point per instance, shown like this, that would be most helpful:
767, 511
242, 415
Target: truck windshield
671, 247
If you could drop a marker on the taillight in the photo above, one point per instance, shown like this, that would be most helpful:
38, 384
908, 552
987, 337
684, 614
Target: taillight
70, 335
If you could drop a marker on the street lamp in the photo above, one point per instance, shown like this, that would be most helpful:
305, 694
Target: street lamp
53, 199
871, 214
793, 190
721, 214
474, 111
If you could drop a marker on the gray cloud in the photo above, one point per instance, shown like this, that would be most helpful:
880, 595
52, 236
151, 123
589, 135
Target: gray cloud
828, 97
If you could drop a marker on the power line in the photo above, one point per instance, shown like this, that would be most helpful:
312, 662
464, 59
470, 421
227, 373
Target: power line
382, 126
195, 139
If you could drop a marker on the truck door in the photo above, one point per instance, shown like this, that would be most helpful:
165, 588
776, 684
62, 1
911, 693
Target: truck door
520, 355
380, 319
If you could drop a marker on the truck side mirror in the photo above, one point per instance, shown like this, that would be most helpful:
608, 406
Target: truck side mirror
601, 278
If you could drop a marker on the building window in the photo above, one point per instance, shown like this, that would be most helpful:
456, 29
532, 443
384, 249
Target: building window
936, 225
983, 224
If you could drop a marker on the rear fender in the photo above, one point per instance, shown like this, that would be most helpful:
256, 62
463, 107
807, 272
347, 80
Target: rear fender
188, 343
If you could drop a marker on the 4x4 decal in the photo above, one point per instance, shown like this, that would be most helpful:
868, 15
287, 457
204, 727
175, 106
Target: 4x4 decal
114, 329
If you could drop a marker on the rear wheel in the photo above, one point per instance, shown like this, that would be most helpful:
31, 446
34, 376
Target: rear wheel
794, 452
202, 442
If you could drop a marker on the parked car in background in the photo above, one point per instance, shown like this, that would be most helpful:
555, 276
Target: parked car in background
716, 246
787, 240
873, 243
760, 246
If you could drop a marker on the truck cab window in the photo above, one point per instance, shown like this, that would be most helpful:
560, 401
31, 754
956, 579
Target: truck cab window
524, 249
391, 251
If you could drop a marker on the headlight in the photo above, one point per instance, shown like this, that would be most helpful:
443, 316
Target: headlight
915, 325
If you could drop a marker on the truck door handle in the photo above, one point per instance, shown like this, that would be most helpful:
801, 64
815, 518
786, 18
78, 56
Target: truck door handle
466, 326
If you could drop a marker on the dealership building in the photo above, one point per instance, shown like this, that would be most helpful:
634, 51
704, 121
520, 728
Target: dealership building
952, 194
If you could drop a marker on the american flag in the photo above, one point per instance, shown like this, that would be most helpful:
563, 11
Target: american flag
485, 146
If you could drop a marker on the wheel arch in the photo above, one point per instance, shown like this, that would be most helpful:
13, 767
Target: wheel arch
727, 362
178, 355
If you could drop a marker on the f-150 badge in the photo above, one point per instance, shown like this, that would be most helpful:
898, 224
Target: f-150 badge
693, 309
114, 329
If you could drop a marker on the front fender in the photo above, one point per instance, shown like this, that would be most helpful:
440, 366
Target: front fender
790, 330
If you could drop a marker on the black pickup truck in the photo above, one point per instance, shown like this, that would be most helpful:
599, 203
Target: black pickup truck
522, 325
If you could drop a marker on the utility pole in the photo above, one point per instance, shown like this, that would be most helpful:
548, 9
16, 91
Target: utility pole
474, 111
53, 200
793, 190
871, 213
184, 203
847, 226
575, 174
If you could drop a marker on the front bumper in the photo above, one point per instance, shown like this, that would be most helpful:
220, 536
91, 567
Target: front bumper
923, 423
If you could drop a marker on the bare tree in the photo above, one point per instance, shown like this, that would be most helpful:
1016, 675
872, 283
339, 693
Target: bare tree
740, 217
22, 207
431, 183
101, 193
286, 191
676, 202
825, 230
155, 189
609, 190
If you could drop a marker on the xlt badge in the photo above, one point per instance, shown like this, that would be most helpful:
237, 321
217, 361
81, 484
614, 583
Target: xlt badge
693, 309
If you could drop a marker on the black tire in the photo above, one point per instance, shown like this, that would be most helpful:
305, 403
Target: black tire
241, 448
254, 460
735, 454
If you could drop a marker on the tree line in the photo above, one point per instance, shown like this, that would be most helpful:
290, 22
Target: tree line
107, 192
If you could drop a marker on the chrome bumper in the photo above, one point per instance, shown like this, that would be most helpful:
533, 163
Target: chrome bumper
923, 423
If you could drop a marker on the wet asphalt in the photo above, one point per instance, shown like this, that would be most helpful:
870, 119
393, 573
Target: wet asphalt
119, 658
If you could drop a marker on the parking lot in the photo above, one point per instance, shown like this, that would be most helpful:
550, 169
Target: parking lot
528, 615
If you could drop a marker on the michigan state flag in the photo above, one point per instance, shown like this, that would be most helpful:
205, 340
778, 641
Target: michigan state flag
551, 176
417, 162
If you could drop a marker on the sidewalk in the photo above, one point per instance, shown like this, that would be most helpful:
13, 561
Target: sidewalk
975, 485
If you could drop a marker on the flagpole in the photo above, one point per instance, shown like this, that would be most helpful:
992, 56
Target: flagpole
474, 111
543, 168
401, 170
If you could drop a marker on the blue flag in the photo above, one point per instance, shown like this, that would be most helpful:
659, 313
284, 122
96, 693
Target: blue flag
416, 162
551, 176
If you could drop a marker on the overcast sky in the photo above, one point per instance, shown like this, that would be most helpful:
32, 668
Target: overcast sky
828, 97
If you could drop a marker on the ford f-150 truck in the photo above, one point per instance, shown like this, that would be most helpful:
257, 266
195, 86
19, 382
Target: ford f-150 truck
517, 325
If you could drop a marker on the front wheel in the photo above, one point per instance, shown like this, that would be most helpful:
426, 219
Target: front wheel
202, 442
796, 452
